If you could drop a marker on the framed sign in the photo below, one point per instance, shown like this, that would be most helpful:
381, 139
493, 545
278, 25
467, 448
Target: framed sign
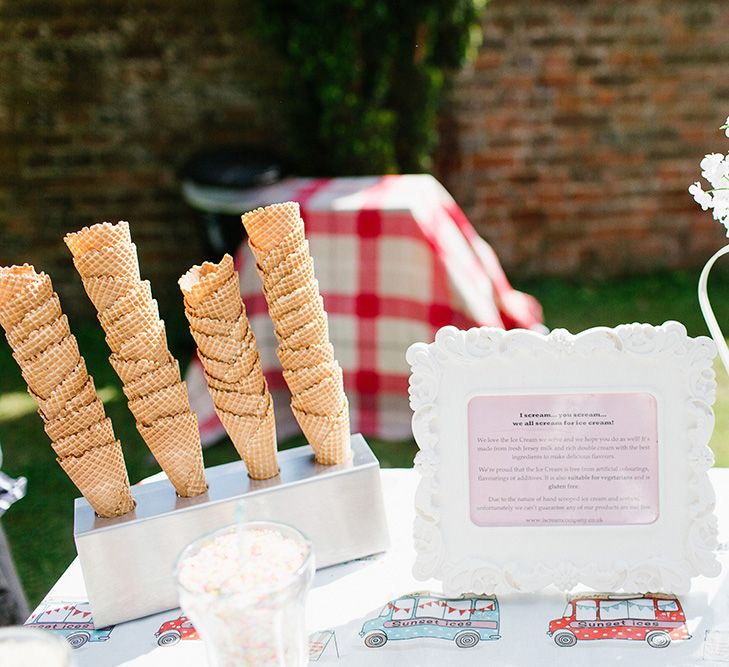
564, 459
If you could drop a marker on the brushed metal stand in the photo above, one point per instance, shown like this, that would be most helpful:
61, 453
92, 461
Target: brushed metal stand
128, 562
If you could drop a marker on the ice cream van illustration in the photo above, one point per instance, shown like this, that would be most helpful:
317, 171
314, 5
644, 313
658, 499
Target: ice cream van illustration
171, 632
464, 620
651, 617
73, 621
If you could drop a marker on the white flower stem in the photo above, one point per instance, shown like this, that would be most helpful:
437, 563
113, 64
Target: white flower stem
708, 311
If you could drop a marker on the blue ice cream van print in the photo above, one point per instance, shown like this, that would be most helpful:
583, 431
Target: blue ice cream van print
73, 621
464, 620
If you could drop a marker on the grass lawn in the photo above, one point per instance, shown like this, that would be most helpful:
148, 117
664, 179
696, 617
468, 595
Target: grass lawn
40, 526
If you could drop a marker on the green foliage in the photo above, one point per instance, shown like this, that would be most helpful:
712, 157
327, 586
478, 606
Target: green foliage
363, 78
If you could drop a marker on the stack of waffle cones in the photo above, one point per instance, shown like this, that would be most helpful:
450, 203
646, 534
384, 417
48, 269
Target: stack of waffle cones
73, 416
106, 259
276, 237
227, 350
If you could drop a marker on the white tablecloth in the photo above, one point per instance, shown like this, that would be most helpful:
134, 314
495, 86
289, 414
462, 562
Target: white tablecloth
346, 596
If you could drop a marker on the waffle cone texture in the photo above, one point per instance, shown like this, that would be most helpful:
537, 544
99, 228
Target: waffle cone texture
73, 416
283, 262
232, 366
107, 262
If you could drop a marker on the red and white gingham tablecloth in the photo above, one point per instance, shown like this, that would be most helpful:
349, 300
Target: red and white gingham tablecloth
396, 259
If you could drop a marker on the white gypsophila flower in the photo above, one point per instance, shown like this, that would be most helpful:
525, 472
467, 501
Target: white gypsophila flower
720, 203
715, 169
702, 198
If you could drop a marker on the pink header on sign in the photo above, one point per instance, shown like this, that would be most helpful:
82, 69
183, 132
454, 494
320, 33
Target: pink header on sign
563, 459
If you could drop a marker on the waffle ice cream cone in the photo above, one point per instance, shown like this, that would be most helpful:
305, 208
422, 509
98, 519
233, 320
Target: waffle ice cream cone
250, 383
295, 319
15, 281
23, 285
128, 325
255, 440
330, 433
324, 398
150, 344
47, 370
204, 325
238, 331
74, 418
299, 298
87, 394
259, 451
137, 296
267, 226
305, 357
224, 348
298, 262
268, 260
104, 291
315, 332
141, 306
98, 236
119, 261
227, 350
202, 281
305, 378
165, 402
239, 403
223, 304
222, 385
37, 318
235, 372
285, 266
101, 476
73, 385
76, 421
40, 339
171, 441
160, 377
106, 258
15, 311
294, 300
97, 435
253, 382
304, 274
131, 370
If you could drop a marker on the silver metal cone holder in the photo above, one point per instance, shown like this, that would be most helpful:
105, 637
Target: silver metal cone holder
128, 562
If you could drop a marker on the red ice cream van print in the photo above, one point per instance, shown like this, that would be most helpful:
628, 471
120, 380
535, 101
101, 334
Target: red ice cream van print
181, 629
171, 632
654, 618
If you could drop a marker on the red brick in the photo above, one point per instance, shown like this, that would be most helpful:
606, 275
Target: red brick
98, 110
622, 104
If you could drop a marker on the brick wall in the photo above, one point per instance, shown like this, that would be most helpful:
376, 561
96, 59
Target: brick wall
572, 139
570, 142
100, 104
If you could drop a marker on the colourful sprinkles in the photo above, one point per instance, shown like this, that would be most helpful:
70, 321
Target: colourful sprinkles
257, 559
245, 591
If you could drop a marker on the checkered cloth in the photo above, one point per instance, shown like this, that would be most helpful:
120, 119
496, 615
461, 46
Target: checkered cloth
396, 259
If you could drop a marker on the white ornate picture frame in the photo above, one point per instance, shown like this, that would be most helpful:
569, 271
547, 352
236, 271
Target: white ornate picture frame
660, 366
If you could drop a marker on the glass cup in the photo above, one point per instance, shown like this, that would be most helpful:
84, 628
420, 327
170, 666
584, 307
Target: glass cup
244, 588
31, 647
